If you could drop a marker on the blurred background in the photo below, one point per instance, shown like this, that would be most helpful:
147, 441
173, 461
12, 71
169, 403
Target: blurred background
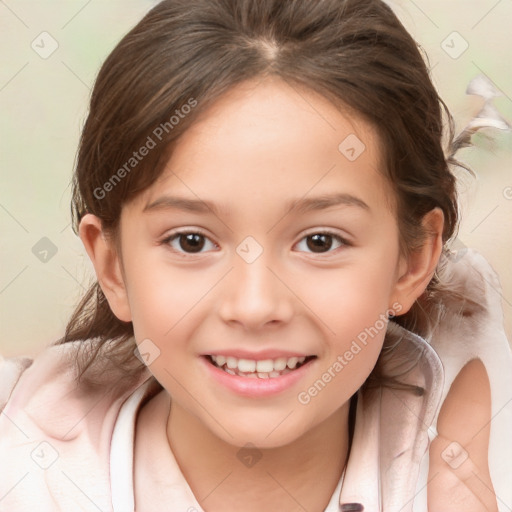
51, 52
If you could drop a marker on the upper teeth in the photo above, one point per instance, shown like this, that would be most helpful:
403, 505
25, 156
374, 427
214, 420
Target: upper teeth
264, 366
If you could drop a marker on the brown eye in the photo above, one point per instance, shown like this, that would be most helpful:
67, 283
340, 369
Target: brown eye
189, 242
321, 242
192, 242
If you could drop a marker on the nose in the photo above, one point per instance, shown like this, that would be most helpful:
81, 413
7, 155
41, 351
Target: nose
255, 296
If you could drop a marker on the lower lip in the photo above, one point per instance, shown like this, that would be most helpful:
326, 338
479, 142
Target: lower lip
256, 388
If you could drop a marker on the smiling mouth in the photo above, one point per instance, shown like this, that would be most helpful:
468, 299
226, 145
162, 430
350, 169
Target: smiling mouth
264, 369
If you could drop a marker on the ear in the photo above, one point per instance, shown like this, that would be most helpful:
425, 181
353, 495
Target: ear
416, 272
107, 264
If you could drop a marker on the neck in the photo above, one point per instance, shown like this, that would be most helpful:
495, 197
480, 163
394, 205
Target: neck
222, 476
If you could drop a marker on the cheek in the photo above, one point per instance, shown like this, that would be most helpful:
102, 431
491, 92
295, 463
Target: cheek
353, 308
350, 300
160, 296
343, 373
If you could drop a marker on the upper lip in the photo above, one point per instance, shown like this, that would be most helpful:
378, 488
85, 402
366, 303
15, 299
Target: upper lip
258, 356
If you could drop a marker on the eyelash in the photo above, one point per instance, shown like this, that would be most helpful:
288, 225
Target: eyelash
175, 236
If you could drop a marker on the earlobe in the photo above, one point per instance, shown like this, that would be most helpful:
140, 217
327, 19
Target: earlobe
107, 265
421, 264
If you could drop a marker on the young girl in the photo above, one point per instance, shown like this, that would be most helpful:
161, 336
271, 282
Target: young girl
262, 188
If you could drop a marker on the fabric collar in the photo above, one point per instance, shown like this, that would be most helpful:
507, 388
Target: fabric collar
391, 434
390, 437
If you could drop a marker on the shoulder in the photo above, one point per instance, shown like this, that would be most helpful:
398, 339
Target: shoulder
459, 470
56, 432
10, 372
467, 458
46, 392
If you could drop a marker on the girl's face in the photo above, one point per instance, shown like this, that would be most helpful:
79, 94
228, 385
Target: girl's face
269, 238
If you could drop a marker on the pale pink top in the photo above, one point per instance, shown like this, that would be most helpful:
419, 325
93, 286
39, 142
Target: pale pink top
65, 447
121, 467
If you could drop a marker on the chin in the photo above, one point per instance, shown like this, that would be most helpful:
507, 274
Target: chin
270, 434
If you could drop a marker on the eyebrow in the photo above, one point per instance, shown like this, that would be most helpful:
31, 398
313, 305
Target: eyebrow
303, 205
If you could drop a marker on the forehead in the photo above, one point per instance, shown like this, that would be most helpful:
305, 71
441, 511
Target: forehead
268, 141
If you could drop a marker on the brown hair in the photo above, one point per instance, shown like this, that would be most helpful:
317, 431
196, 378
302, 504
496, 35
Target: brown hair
355, 53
